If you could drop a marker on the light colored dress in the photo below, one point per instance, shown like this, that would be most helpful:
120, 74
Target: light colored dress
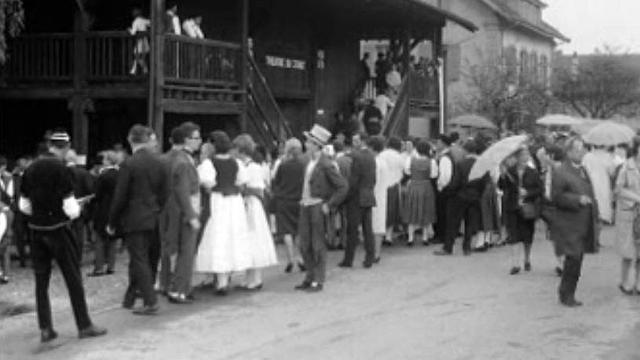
263, 250
384, 179
225, 245
627, 245
600, 166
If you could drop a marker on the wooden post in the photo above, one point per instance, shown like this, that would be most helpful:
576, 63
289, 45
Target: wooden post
156, 74
78, 103
440, 55
244, 80
406, 49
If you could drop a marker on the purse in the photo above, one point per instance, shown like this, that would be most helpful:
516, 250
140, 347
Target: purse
529, 210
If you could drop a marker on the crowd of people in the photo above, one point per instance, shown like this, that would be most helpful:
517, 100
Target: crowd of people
209, 208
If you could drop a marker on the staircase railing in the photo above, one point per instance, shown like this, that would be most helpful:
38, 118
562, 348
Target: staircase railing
400, 113
264, 112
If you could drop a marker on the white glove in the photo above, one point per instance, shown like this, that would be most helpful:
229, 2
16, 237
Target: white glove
71, 207
24, 205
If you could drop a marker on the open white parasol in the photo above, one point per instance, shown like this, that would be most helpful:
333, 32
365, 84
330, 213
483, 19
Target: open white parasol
558, 120
609, 133
495, 154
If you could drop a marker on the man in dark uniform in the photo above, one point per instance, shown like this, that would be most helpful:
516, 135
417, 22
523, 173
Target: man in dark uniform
47, 196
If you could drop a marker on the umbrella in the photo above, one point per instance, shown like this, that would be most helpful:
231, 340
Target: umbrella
558, 120
473, 121
495, 154
609, 133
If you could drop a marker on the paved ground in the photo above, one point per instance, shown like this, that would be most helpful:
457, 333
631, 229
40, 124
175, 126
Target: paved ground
412, 306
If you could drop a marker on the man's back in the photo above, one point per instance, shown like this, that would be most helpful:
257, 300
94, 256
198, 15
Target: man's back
140, 192
363, 176
46, 183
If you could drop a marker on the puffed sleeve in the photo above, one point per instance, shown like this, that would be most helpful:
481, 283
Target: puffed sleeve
255, 176
243, 174
207, 174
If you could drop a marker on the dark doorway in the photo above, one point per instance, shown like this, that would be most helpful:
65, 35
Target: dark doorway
110, 123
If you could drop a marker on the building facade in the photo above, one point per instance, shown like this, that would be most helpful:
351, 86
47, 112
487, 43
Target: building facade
512, 37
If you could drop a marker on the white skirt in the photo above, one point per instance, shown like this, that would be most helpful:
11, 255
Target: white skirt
263, 250
225, 245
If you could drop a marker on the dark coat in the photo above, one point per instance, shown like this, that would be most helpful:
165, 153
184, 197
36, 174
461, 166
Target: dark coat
574, 227
183, 185
327, 184
140, 195
510, 184
105, 187
363, 178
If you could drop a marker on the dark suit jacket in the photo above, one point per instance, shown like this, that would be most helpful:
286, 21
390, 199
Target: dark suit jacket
105, 187
141, 191
327, 183
363, 178
573, 227
510, 184
183, 184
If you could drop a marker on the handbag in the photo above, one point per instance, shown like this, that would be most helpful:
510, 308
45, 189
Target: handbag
529, 210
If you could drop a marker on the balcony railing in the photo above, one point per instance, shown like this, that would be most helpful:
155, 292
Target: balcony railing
108, 56
202, 63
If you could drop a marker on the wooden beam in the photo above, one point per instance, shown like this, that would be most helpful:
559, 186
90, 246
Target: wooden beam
244, 71
138, 91
156, 75
80, 106
201, 107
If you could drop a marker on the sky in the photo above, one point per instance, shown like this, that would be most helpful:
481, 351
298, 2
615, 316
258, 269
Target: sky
591, 23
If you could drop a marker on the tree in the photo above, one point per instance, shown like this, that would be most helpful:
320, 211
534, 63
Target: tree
11, 23
497, 94
600, 86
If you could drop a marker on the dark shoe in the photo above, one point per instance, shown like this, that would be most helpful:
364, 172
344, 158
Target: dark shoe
222, 291
514, 270
426, 243
466, 252
305, 285
344, 265
558, 271
409, 243
289, 268
314, 287
376, 260
4, 279
571, 303
147, 310
110, 272
177, 298
47, 335
625, 291
191, 297
92, 331
302, 267
340, 247
442, 253
527, 266
367, 264
387, 243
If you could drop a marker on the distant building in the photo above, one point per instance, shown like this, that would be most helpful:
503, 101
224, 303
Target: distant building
512, 34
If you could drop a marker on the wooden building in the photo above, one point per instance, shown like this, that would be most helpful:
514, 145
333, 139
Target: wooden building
269, 67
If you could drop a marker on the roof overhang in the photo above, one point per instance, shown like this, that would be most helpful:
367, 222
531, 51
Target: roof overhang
447, 15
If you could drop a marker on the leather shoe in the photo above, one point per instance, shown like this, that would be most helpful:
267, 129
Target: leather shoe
147, 310
305, 285
527, 266
558, 271
376, 260
288, 268
47, 335
92, 331
302, 267
367, 264
514, 270
344, 265
314, 287
571, 303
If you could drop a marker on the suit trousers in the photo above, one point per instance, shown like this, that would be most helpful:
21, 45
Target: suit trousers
105, 252
58, 245
144, 254
570, 276
184, 263
453, 216
79, 228
440, 225
467, 211
359, 216
311, 230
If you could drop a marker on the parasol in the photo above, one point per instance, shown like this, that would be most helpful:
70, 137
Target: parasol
558, 120
495, 154
473, 121
609, 133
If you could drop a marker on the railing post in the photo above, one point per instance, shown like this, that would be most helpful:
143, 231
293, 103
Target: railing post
244, 84
156, 74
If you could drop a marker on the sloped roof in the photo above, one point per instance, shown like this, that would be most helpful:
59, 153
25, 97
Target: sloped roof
446, 14
542, 28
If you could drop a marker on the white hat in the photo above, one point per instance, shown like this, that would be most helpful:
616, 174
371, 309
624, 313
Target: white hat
319, 135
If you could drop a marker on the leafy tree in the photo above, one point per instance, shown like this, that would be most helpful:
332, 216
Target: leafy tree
11, 23
513, 104
601, 86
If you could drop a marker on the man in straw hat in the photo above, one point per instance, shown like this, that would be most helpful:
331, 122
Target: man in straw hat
48, 198
323, 189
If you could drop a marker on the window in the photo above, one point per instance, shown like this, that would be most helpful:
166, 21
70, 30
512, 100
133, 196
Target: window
544, 70
533, 68
524, 66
